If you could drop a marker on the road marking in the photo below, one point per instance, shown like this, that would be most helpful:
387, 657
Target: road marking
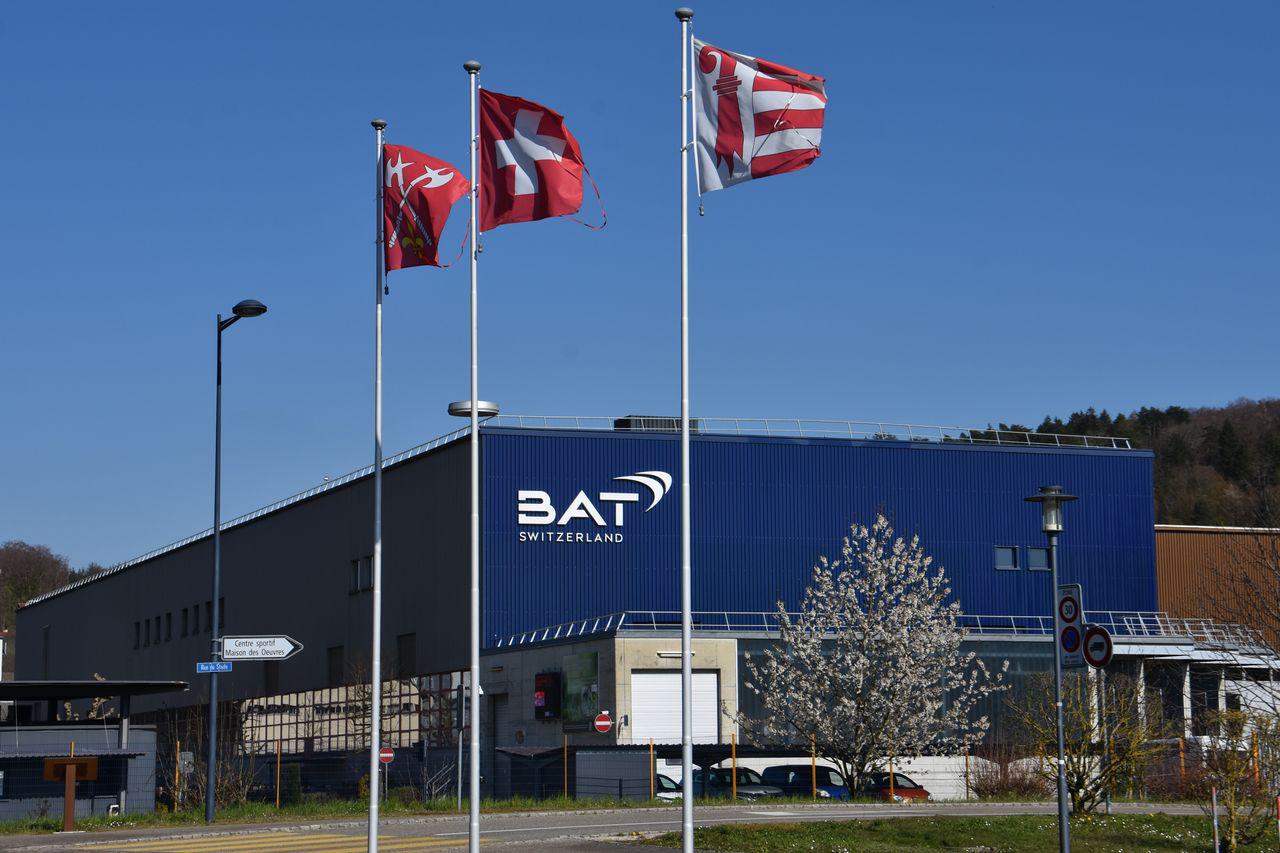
276, 842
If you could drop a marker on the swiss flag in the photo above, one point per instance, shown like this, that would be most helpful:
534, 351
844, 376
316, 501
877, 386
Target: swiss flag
417, 195
530, 164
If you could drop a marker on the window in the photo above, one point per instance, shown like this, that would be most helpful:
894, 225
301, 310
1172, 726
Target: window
186, 622
195, 619
168, 627
208, 617
337, 665
137, 634
1007, 557
146, 632
1038, 559
362, 574
406, 655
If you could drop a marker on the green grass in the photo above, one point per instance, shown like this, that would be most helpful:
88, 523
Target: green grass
1007, 834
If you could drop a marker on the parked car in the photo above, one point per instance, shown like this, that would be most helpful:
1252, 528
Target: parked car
718, 782
665, 788
905, 789
796, 780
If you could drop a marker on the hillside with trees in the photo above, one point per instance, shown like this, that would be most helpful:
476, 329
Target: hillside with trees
1216, 466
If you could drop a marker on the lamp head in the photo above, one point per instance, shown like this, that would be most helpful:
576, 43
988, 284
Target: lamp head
1051, 499
249, 308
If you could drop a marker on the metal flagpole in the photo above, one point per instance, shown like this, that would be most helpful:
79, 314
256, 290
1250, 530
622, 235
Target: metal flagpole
685, 15
375, 723
473, 828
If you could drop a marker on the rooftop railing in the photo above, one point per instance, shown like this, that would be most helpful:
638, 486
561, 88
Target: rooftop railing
1120, 624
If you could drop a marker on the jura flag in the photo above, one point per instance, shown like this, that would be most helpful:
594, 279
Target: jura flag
530, 164
418, 192
754, 118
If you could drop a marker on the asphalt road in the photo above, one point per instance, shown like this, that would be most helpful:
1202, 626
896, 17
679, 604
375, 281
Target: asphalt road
542, 831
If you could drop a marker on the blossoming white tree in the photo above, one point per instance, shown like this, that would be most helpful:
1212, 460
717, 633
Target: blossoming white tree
871, 667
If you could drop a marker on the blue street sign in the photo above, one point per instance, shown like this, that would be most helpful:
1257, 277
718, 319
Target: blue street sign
214, 666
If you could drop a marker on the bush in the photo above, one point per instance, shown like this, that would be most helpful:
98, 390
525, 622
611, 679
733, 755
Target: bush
1005, 775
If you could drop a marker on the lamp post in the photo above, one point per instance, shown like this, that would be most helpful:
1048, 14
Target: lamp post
475, 409
1051, 499
245, 308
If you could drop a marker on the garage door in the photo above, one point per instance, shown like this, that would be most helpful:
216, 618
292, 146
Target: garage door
655, 707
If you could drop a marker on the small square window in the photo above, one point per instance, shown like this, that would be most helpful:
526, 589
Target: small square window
195, 622
1038, 559
186, 621
168, 627
1006, 558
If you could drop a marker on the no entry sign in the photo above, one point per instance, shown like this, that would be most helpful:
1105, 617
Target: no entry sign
1097, 646
386, 755
603, 722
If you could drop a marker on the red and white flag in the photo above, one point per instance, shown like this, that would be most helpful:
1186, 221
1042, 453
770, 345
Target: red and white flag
754, 118
530, 164
417, 195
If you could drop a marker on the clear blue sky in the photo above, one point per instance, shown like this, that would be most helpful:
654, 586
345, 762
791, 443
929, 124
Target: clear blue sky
1021, 209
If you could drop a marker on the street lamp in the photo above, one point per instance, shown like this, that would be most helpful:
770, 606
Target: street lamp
244, 308
1051, 499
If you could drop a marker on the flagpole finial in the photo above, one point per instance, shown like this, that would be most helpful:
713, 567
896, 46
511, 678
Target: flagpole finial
471, 66
684, 13
379, 124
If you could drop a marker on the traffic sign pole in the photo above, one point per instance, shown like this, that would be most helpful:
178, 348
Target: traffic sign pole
1064, 829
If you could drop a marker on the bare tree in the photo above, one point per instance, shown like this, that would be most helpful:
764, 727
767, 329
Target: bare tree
870, 667
25, 572
1111, 738
1242, 760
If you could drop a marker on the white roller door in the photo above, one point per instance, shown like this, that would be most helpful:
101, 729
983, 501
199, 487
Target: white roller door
655, 707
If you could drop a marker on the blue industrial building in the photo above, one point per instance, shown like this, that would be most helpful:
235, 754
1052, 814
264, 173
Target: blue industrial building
580, 576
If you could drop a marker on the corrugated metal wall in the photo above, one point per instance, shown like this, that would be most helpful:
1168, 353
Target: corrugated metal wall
764, 509
1219, 573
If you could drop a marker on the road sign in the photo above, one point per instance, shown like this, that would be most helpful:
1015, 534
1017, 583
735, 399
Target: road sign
1069, 625
603, 722
1097, 646
260, 647
386, 755
213, 666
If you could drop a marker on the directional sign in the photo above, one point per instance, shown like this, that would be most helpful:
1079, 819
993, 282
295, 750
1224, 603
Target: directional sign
267, 647
1097, 646
1069, 625
603, 722
213, 666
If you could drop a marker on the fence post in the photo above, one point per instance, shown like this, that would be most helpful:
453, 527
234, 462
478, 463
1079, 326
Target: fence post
1182, 762
1257, 764
652, 769
1213, 794
966, 773
733, 741
892, 792
177, 779
566, 767
277, 771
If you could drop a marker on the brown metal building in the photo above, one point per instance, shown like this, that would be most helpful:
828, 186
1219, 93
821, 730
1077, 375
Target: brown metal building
1229, 574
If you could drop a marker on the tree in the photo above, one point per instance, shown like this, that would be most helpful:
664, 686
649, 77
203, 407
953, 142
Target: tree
25, 572
870, 667
1108, 746
1242, 762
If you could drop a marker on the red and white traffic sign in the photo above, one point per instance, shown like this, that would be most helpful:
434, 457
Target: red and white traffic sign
386, 755
1097, 646
1069, 625
603, 722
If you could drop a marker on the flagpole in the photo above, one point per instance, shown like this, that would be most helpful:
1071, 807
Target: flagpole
473, 828
375, 722
685, 15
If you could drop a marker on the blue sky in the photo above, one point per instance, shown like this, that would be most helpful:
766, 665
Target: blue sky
1021, 209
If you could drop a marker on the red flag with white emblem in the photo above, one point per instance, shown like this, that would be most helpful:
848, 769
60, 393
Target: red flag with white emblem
530, 164
418, 192
754, 118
